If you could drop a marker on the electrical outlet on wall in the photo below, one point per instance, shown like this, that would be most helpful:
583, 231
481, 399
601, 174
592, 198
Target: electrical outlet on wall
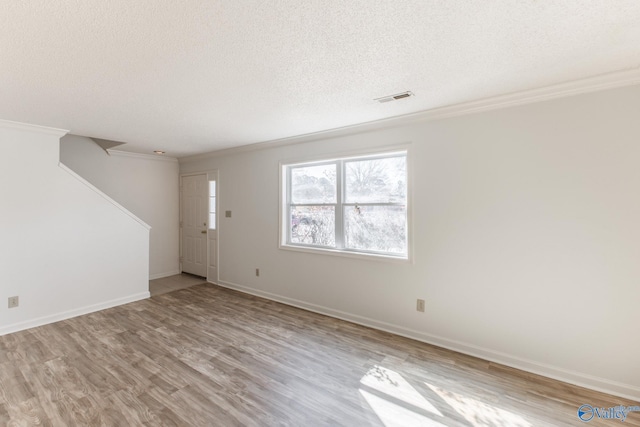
420, 305
14, 302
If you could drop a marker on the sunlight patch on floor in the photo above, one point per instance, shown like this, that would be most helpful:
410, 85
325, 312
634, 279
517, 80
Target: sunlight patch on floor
393, 384
393, 415
480, 414
395, 401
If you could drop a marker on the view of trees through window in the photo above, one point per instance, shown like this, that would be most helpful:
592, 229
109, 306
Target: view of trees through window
353, 204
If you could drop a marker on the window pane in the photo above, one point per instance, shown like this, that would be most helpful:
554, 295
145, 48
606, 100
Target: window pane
376, 228
212, 205
376, 180
313, 225
313, 184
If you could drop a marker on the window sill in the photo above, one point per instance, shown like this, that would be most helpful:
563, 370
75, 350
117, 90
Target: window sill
347, 254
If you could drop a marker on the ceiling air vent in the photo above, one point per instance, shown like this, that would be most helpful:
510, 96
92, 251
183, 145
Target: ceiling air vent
395, 97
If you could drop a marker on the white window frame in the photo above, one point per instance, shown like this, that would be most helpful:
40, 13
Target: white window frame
340, 205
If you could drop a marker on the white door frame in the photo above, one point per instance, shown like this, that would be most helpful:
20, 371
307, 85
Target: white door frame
211, 174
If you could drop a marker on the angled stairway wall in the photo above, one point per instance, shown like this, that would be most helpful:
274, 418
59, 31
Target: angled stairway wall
66, 248
147, 185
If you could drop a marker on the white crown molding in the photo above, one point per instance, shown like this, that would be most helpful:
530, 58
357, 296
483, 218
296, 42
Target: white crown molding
7, 124
591, 84
154, 157
576, 87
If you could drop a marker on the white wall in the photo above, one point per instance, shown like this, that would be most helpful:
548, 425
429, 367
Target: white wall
146, 185
526, 238
65, 248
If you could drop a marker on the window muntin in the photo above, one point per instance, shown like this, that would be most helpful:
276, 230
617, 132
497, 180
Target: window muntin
355, 204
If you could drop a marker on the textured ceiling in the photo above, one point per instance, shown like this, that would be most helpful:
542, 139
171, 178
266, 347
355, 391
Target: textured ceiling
199, 75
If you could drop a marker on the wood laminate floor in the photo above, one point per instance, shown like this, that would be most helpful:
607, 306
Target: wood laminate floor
208, 356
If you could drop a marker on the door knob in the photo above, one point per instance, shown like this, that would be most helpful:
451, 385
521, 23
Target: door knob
204, 231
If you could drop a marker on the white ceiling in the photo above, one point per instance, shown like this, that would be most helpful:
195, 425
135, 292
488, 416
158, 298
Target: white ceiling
195, 76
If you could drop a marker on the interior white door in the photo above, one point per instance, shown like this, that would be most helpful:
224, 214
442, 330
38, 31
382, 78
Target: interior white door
195, 213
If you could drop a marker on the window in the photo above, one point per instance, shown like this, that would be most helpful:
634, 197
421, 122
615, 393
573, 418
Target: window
212, 205
354, 204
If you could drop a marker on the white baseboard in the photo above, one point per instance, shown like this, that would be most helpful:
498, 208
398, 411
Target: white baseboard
165, 274
20, 326
627, 391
